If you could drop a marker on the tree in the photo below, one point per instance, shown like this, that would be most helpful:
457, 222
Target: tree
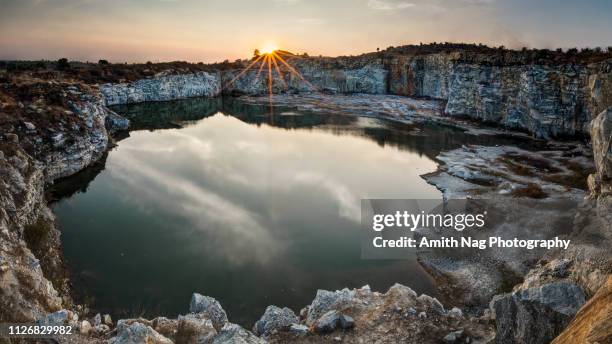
62, 64
256, 53
103, 62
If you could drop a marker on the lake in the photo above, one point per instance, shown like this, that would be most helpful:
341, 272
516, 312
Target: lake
250, 207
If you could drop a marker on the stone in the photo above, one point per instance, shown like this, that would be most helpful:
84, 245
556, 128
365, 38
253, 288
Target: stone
29, 126
210, 307
85, 327
326, 301
332, 320
108, 320
234, 334
346, 322
102, 328
328, 322
97, 320
455, 313
166, 327
298, 329
275, 319
138, 333
194, 328
431, 303
62, 317
452, 337
535, 315
10, 137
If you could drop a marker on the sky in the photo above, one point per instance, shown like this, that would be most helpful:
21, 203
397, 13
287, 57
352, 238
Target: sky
215, 30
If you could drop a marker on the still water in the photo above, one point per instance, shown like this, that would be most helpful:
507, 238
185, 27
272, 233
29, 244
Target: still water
224, 199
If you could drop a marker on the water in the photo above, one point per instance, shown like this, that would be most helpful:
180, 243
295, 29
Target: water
233, 203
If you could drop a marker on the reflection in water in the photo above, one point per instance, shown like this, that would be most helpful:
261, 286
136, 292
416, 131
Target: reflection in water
249, 214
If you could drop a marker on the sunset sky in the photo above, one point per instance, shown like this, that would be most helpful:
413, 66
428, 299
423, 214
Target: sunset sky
214, 30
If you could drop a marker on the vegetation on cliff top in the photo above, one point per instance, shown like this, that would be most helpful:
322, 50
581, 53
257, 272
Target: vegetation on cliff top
105, 72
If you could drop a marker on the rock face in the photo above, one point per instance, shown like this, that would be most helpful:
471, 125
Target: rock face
331, 75
545, 100
536, 315
600, 183
163, 88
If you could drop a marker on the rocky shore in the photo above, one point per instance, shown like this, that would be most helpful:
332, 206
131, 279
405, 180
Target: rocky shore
52, 128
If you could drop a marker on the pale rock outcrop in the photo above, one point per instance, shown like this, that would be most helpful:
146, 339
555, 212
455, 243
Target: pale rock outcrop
163, 87
600, 182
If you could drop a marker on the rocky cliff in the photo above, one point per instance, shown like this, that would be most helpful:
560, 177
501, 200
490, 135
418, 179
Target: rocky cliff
60, 129
547, 100
163, 87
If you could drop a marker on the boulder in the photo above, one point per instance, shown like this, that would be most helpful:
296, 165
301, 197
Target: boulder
210, 307
166, 327
275, 319
299, 329
332, 320
194, 328
138, 333
326, 301
234, 334
535, 315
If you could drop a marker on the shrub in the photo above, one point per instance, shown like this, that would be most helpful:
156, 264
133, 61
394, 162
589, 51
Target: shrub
63, 64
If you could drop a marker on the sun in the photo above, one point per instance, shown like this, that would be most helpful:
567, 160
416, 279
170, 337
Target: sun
268, 48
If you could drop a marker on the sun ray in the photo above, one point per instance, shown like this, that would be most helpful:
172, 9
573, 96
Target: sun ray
280, 74
244, 70
265, 60
270, 82
295, 72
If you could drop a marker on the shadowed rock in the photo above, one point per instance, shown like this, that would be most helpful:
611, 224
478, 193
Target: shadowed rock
535, 315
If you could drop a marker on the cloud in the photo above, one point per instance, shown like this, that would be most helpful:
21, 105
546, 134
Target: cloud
389, 5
